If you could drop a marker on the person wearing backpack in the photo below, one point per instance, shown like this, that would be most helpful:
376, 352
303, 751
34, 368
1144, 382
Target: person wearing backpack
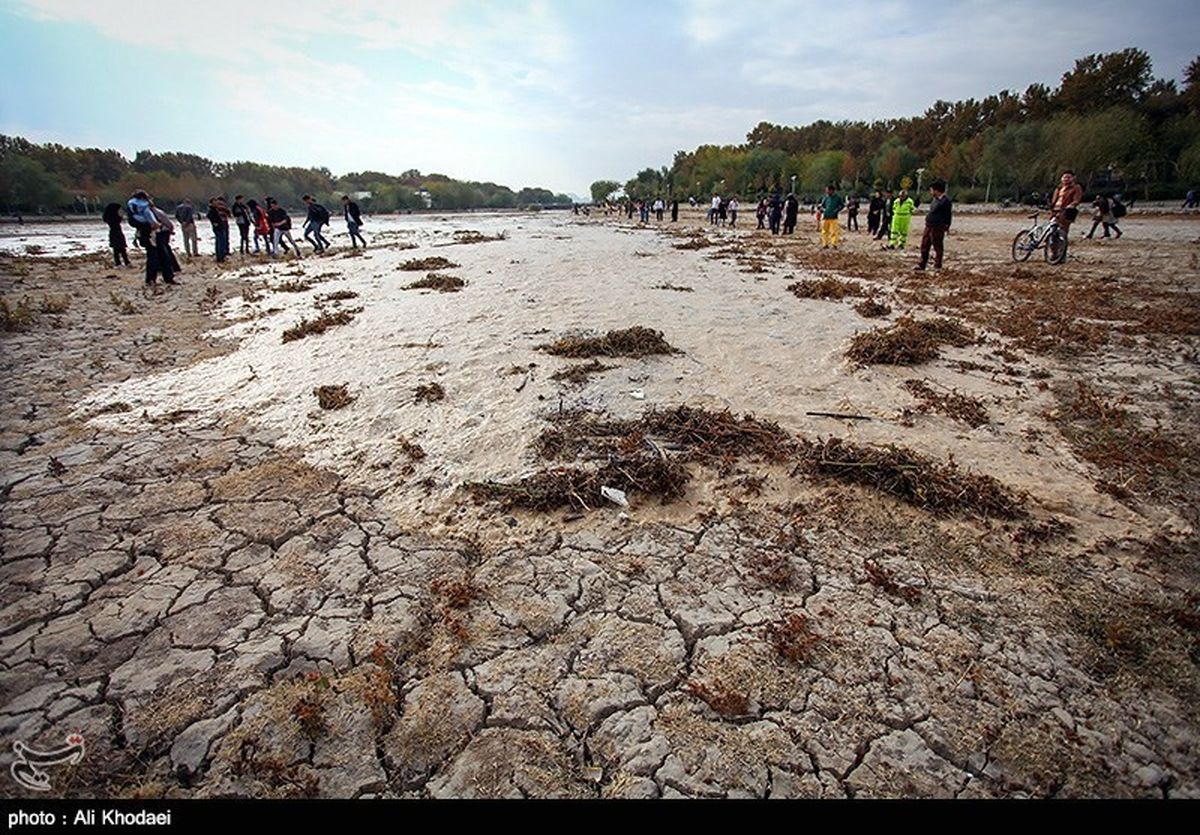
281, 223
1101, 209
141, 218
318, 216
241, 216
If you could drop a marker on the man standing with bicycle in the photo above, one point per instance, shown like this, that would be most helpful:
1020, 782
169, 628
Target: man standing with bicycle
1064, 205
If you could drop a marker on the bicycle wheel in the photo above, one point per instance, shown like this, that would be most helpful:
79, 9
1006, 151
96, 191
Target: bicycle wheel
1056, 247
1023, 246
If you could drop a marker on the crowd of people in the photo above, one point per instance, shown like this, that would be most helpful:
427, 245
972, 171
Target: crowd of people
266, 227
889, 214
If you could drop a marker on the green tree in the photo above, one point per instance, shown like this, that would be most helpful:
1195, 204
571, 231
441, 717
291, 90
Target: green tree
26, 185
1105, 80
601, 189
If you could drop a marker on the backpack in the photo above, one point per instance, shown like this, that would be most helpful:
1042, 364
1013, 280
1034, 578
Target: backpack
1118, 208
321, 213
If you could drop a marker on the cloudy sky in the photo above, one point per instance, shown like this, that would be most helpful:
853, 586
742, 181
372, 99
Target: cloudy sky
553, 93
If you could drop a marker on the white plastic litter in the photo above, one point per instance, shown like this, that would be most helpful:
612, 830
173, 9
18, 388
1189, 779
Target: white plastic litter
615, 496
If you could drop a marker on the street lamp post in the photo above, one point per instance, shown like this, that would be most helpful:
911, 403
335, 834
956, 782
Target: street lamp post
920, 172
793, 184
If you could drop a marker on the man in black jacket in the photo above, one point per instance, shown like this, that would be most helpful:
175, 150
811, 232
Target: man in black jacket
874, 212
318, 216
353, 221
937, 224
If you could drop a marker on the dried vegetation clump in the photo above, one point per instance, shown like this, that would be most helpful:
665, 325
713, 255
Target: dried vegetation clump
699, 242
637, 341
900, 472
333, 397
1132, 457
824, 288
435, 262
470, 236
792, 637
869, 308
313, 327
950, 403
438, 281
579, 373
429, 393
908, 342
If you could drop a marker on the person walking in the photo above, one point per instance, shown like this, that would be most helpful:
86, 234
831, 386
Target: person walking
241, 216
674, 211
281, 225
831, 205
218, 215
885, 216
141, 215
116, 236
733, 210
1064, 205
760, 213
353, 221
186, 215
659, 208
937, 224
162, 240
317, 217
716, 208
1190, 200
874, 212
775, 213
262, 228
852, 213
791, 209
902, 210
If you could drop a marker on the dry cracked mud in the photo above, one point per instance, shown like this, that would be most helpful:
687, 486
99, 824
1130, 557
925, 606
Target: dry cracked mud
218, 618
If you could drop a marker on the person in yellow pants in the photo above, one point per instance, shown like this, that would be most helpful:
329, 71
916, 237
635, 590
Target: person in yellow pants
902, 211
831, 204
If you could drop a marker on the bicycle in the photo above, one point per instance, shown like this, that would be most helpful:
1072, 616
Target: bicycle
1049, 237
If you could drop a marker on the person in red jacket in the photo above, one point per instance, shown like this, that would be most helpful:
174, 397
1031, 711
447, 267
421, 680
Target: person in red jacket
262, 228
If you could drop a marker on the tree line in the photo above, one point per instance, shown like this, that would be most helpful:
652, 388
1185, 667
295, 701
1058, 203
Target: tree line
54, 178
1109, 120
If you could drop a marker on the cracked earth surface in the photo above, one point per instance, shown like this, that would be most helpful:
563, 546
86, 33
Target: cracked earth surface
219, 618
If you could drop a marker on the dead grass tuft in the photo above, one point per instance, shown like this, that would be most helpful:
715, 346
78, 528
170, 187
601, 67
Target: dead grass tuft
869, 308
792, 637
824, 288
429, 393
313, 327
435, 262
438, 281
629, 342
580, 372
333, 397
939, 488
950, 403
908, 342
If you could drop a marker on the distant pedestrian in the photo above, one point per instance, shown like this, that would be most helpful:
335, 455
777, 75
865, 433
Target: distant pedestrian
317, 217
674, 211
723, 211
733, 210
715, 210
241, 216
775, 213
281, 226
902, 210
937, 224
791, 210
885, 216
116, 236
659, 207
353, 221
874, 211
852, 213
1191, 201
760, 213
831, 205
262, 227
186, 215
141, 216
218, 215
162, 240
